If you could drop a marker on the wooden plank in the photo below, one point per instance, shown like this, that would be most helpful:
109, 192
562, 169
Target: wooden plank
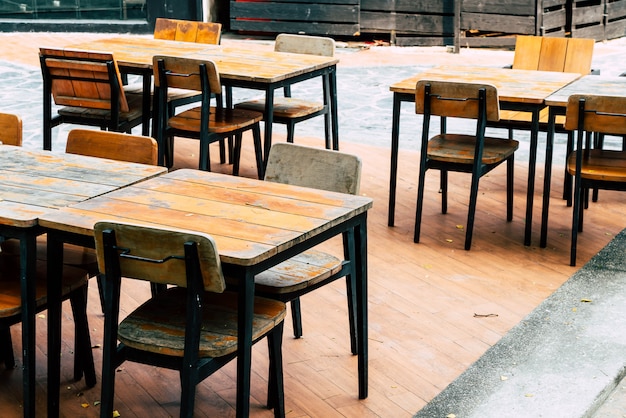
409, 6
406, 23
498, 23
296, 27
499, 7
294, 12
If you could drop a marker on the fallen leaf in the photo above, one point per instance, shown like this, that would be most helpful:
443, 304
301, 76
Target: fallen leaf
586, 300
503, 378
459, 227
85, 405
96, 403
116, 414
448, 240
450, 416
42, 316
529, 395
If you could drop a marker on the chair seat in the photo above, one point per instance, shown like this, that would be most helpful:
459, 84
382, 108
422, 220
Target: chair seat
172, 94
158, 326
135, 105
603, 165
221, 120
456, 148
284, 107
10, 287
304, 270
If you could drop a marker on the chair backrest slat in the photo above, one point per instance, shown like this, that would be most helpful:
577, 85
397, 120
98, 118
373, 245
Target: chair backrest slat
188, 31
147, 246
83, 78
605, 114
459, 100
10, 129
305, 44
317, 168
184, 73
571, 55
112, 145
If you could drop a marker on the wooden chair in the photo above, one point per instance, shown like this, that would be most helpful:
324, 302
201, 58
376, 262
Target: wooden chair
206, 123
325, 170
113, 146
188, 31
594, 168
475, 154
289, 110
10, 129
74, 288
570, 55
89, 87
191, 327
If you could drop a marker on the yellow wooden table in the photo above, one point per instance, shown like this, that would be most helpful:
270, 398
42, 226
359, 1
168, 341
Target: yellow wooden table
524, 90
32, 184
255, 224
245, 67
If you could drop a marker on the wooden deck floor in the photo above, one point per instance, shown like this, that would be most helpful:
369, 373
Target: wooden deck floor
433, 307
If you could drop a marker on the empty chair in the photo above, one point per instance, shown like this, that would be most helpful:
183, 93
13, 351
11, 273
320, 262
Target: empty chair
88, 86
475, 154
190, 327
10, 129
206, 123
290, 110
112, 145
594, 168
325, 170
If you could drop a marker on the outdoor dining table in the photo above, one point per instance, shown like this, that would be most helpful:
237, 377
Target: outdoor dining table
557, 102
523, 90
32, 184
255, 225
239, 66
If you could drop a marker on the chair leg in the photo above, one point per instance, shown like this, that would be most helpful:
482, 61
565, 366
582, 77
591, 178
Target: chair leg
420, 199
290, 131
443, 187
471, 210
350, 254
567, 178
510, 164
100, 282
237, 152
258, 151
6, 348
296, 317
275, 390
82, 350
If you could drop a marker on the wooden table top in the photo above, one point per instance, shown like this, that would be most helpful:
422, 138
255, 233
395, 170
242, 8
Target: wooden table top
589, 84
250, 220
34, 182
519, 86
234, 63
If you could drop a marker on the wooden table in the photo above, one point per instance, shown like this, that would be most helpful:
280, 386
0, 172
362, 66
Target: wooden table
238, 66
255, 224
523, 90
557, 102
33, 183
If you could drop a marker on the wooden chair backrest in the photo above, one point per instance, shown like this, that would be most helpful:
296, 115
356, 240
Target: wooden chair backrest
571, 55
188, 31
317, 168
10, 129
144, 245
113, 145
458, 100
604, 114
185, 73
83, 78
305, 44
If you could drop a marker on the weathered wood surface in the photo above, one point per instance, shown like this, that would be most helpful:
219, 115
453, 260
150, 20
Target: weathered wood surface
188, 31
35, 182
250, 220
10, 129
515, 86
233, 63
112, 145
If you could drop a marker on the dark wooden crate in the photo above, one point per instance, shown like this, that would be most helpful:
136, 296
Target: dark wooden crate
525, 17
321, 17
615, 19
410, 22
587, 19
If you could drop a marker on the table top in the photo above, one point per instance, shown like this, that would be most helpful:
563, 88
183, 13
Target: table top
519, 86
589, 84
251, 220
34, 182
233, 62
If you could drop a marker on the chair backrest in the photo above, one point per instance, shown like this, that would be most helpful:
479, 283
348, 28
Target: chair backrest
305, 44
313, 167
458, 100
113, 145
185, 73
590, 113
157, 255
83, 78
10, 129
188, 31
571, 55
